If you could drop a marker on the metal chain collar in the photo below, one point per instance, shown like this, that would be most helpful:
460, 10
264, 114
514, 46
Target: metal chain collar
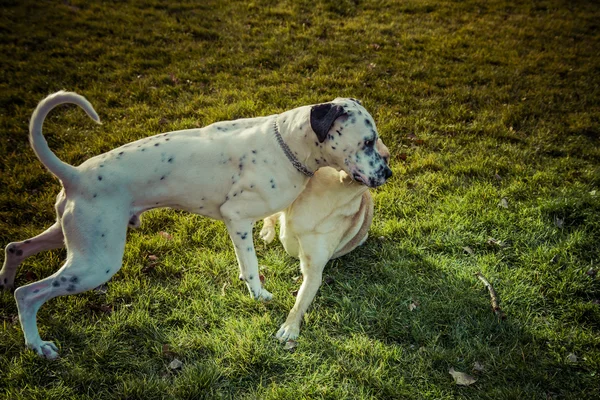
297, 164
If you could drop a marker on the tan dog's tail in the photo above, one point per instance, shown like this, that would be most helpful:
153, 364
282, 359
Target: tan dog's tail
63, 171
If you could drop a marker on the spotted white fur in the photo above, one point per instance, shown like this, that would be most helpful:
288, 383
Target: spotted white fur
232, 171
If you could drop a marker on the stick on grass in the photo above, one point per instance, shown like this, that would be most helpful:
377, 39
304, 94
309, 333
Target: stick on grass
494, 297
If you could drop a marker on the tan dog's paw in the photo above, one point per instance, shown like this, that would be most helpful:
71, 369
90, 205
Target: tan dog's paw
288, 331
267, 233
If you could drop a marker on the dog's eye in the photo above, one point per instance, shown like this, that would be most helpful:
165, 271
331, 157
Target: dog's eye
369, 143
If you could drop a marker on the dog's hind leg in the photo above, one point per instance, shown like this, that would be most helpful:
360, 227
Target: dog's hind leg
314, 254
16, 252
95, 241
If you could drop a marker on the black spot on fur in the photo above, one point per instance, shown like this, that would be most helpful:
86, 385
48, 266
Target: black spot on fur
253, 151
103, 235
19, 253
249, 249
226, 198
101, 165
367, 122
333, 147
74, 279
11, 250
156, 144
71, 288
95, 195
107, 271
251, 186
162, 177
63, 279
170, 160
167, 139
251, 277
99, 177
121, 153
55, 284
143, 149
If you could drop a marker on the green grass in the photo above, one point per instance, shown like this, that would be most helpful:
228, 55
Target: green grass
504, 100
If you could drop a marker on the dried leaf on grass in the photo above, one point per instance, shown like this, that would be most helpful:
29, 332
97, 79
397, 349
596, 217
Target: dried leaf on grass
175, 365
478, 367
166, 235
503, 203
290, 345
460, 378
413, 305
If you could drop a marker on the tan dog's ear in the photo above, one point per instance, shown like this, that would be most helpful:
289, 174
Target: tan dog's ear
345, 178
383, 150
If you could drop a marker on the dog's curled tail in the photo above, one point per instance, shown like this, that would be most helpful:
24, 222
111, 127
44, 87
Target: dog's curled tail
63, 171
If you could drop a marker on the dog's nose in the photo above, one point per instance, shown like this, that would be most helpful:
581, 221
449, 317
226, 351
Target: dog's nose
388, 173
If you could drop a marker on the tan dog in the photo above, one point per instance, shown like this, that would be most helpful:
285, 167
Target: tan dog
330, 218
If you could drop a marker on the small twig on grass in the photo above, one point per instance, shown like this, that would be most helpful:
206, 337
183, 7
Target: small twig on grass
494, 297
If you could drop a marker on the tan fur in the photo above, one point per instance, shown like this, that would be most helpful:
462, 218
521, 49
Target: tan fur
330, 218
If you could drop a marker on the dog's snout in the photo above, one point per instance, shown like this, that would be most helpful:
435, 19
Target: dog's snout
388, 173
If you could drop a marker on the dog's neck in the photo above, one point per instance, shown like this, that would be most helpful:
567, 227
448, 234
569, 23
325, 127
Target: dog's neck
295, 129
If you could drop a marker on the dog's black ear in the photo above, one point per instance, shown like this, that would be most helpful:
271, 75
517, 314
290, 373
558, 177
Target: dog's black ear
322, 117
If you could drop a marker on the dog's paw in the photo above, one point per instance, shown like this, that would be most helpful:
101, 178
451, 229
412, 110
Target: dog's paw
267, 233
288, 332
264, 295
45, 349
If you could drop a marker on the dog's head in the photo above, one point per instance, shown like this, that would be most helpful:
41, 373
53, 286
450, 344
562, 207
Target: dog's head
349, 141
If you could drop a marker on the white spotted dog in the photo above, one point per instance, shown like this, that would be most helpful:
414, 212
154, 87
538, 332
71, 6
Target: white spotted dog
329, 219
235, 171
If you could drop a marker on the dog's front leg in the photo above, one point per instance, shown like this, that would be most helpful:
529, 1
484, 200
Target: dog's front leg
314, 254
240, 233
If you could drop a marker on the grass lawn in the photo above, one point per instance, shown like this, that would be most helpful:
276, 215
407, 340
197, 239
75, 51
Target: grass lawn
491, 110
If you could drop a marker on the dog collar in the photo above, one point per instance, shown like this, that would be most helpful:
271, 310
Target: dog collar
297, 164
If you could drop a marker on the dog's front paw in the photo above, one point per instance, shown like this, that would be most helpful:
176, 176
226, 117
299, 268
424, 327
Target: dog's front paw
267, 233
288, 331
264, 295
45, 349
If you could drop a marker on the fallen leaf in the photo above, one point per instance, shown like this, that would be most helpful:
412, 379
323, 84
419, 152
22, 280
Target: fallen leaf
593, 193
175, 365
290, 345
468, 250
152, 257
166, 351
166, 235
503, 203
403, 156
495, 242
223, 288
572, 358
559, 222
460, 378
477, 366
262, 278
413, 305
